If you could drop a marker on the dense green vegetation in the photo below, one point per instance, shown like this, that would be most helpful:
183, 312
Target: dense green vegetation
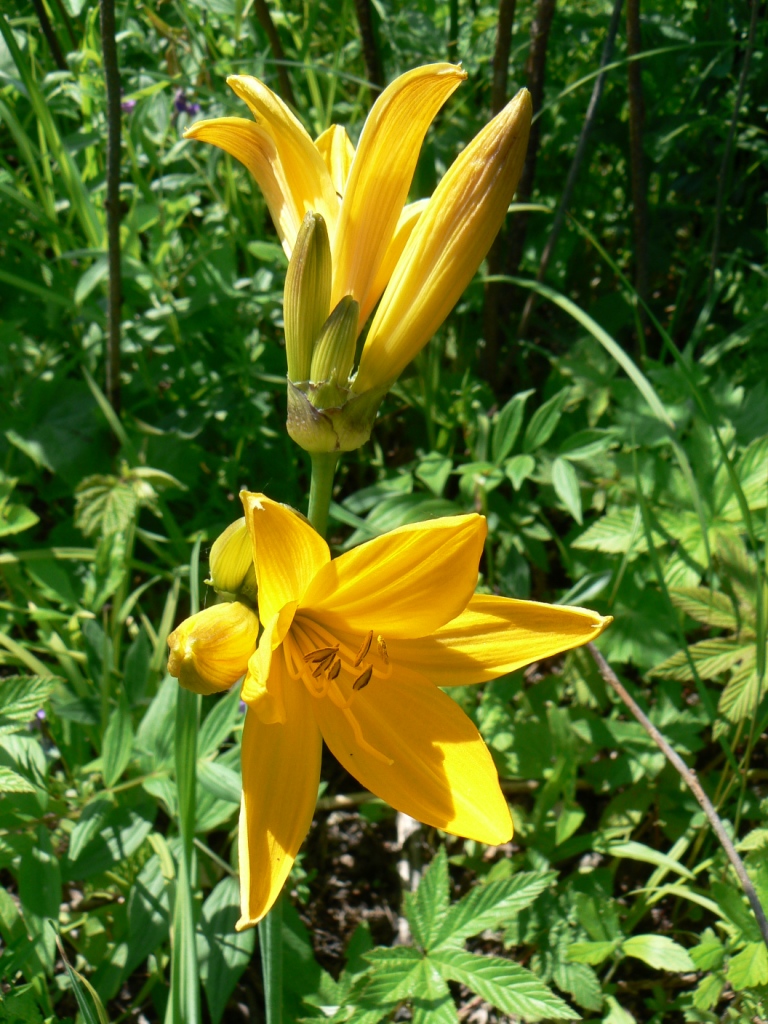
618, 445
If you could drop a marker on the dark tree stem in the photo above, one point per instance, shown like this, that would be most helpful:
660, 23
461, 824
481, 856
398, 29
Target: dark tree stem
578, 157
112, 202
374, 68
536, 67
273, 38
453, 29
689, 778
50, 36
499, 87
637, 159
500, 80
722, 177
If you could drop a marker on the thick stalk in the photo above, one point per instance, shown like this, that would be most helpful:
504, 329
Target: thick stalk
184, 1001
374, 68
271, 946
270, 30
321, 488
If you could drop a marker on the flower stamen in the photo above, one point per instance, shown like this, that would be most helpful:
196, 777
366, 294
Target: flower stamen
381, 647
363, 679
364, 649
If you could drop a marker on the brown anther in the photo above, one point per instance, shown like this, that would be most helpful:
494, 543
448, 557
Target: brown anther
320, 654
364, 649
363, 679
381, 647
323, 664
334, 670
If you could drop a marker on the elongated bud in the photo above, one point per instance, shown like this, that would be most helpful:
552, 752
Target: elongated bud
307, 294
209, 651
334, 353
231, 562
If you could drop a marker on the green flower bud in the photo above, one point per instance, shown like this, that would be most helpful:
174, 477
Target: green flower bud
231, 562
334, 353
307, 295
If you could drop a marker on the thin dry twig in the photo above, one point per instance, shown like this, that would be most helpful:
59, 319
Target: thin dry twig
689, 778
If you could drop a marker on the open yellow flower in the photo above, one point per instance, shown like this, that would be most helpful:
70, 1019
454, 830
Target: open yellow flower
353, 651
417, 259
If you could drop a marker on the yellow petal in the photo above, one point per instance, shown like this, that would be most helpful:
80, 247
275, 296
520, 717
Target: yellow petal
281, 770
338, 153
441, 771
260, 689
253, 146
409, 218
496, 635
209, 651
230, 562
287, 552
450, 241
304, 168
407, 583
381, 174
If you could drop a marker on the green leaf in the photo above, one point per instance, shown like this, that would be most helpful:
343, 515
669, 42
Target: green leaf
12, 782
432, 1002
591, 952
20, 698
711, 607
121, 832
616, 1013
40, 878
220, 781
749, 968
646, 854
519, 468
92, 818
506, 426
566, 483
427, 907
87, 997
709, 953
218, 723
16, 519
491, 905
659, 951
118, 742
222, 953
580, 982
733, 904
433, 471
104, 504
707, 992
392, 977
504, 984
544, 421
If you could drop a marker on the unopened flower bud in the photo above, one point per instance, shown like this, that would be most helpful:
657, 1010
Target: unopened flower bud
209, 651
231, 562
334, 353
307, 294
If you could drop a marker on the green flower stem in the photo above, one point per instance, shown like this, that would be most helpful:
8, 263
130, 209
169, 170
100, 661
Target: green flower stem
271, 927
271, 946
184, 1000
321, 488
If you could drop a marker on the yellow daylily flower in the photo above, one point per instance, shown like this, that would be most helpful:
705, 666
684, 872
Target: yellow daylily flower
360, 193
353, 651
416, 258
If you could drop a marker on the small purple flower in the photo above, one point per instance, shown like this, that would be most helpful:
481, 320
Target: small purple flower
40, 715
242, 707
183, 106
127, 106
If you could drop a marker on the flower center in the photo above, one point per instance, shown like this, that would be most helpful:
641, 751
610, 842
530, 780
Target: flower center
329, 667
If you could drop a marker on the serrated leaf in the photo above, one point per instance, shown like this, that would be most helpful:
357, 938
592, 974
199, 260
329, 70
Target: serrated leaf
711, 607
709, 953
506, 426
21, 697
506, 985
707, 992
617, 533
427, 907
616, 1013
542, 424
738, 701
711, 658
104, 504
432, 1002
659, 951
580, 982
591, 952
12, 782
16, 519
491, 906
392, 978
749, 968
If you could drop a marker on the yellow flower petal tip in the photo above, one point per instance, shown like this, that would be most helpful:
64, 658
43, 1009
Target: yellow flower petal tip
209, 651
355, 651
230, 562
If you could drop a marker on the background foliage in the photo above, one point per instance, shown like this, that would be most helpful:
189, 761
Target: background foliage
621, 457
